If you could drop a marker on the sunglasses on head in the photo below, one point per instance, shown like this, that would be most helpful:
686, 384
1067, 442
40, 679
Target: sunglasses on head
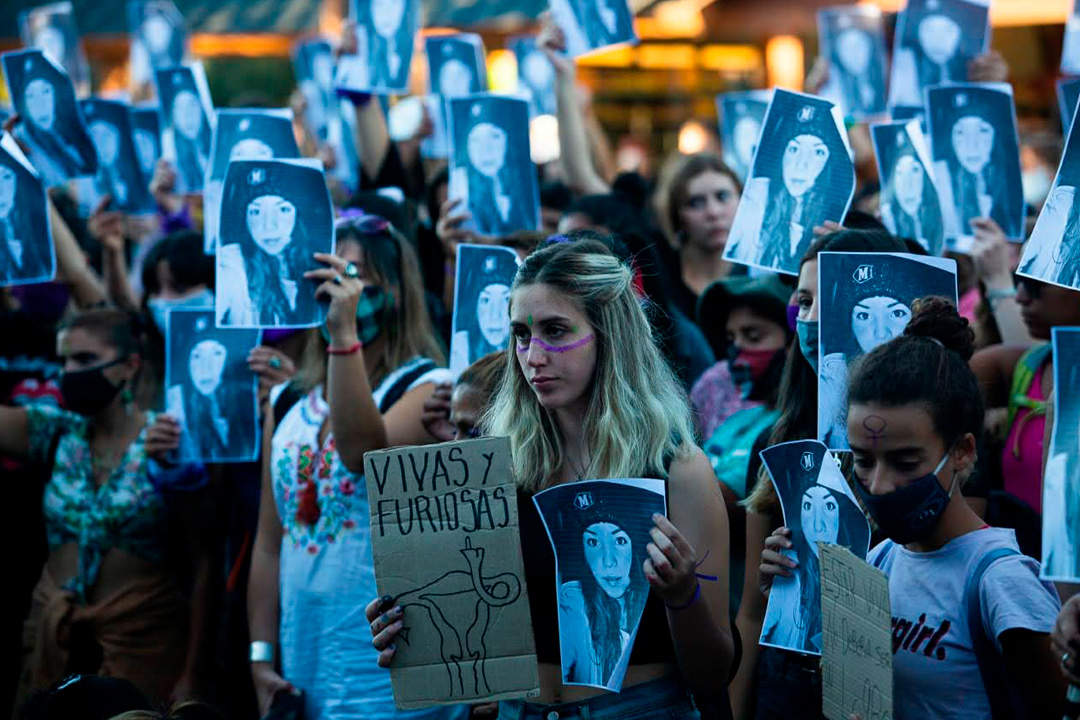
361, 222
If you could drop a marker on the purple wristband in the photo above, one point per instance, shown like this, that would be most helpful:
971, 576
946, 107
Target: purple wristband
684, 606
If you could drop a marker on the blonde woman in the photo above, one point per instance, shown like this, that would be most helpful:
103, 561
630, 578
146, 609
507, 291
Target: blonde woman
587, 394
361, 387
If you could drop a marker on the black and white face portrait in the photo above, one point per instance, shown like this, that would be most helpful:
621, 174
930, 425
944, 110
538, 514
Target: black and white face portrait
935, 41
536, 76
589, 25
909, 204
456, 65
802, 173
26, 248
741, 115
158, 39
865, 301
313, 63
1061, 479
976, 148
210, 389
818, 506
481, 303
599, 530
119, 173
51, 29
385, 33
853, 39
275, 215
187, 129
53, 128
147, 133
490, 164
242, 135
1052, 254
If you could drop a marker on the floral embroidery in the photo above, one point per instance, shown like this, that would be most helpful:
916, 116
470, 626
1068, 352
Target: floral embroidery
317, 495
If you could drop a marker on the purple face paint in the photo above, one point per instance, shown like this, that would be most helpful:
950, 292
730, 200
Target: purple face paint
555, 348
792, 317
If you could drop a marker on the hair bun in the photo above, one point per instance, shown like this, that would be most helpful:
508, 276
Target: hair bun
938, 319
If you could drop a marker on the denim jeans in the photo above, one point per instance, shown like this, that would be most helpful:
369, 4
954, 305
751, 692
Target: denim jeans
666, 697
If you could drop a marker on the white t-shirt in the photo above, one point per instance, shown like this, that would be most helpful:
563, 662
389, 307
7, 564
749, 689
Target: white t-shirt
935, 671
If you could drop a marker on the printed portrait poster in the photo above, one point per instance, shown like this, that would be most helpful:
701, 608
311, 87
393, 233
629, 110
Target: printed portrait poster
331, 121
51, 28
1068, 93
210, 389
146, 130
976, 148
1061, 478
909, 204
599, 530
275, 215
444, 536
865, 301
934, 42
818, 506
51, 125
802, 175
158, 40
27, 254
119, 174
385, 36
490, 166
481, 303
456, 68
187, 116
536, 76
590, 25
1052, 254
1070, 51
853, 41
741, 117
242, 134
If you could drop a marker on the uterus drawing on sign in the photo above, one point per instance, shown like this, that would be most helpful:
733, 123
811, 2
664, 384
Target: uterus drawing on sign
458, 604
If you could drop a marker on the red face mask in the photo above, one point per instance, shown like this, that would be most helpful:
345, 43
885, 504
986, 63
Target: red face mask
755, 362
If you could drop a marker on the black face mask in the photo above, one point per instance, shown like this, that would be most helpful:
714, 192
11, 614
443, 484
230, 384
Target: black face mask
88, 392
912, 512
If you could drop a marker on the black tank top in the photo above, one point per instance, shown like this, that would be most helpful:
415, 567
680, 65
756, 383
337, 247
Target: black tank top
653, 641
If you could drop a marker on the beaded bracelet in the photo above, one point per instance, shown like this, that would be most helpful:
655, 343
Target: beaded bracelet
347, 351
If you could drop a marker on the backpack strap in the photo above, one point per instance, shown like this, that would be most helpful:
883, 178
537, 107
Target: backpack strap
991, 668
1023, 377
289, 396
403, 383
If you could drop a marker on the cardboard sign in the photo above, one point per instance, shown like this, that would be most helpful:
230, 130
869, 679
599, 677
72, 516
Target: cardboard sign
444, 536
856, 661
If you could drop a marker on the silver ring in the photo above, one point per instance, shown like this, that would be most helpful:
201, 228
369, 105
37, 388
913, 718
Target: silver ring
1065, 660
275, 362
337, 279
351, 271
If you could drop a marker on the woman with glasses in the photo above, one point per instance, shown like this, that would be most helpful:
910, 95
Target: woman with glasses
363, 380
1020, 379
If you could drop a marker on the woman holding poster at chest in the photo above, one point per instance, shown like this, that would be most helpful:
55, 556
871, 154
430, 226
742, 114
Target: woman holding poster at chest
970, 617
588, 395
363, 380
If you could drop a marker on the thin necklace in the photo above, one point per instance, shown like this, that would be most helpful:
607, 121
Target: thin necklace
580, 473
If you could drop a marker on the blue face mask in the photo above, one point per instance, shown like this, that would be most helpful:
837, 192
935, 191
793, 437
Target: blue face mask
808, 341
160, 307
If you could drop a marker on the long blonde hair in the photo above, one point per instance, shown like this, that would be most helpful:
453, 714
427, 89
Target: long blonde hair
638, 419
390, 262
